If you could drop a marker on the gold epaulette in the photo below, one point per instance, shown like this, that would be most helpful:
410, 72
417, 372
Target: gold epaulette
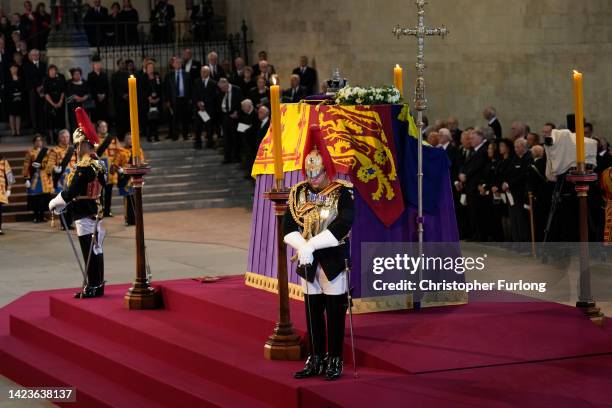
345, 183
87, 161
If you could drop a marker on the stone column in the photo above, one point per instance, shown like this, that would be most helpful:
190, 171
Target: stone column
67, 46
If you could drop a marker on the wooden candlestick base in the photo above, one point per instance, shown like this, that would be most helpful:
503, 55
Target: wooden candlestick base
581, 177
283, 344
141, 295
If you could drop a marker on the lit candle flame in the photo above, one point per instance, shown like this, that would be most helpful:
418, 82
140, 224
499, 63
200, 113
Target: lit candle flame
273, 79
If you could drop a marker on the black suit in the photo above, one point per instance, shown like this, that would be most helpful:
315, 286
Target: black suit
517, 177
94, 27
497, 128
229, 105
474, 169
34, 78
454, 156
178, 96
217, 72
194, 70
98, 85
308, 79
537, 184
122, 107
208, 94
248, 138
294, 95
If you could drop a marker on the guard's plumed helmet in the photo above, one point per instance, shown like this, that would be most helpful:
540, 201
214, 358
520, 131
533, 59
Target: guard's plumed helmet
316, 157
86, 131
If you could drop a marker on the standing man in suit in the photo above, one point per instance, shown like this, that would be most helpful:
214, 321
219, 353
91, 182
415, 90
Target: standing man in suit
231, 97
452, 152
205, 99
100, 90
162, 17
453, 126
490, 114
216, 71
94, 21
35, 71
470, 178
178, 92
308, 76
191, 66
296, 92
516, 184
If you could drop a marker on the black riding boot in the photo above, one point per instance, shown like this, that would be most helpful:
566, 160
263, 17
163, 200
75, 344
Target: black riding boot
315, 319
95, 270
336, 306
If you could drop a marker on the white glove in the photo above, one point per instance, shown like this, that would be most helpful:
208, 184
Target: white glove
57, 204
57, 169
28, 184
323, 240
305, 255
120, 170
8, 193
36, 165
297, 242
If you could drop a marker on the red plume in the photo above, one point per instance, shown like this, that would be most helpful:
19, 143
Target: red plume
313, 139
86, 125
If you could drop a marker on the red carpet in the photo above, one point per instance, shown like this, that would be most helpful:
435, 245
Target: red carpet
206, 349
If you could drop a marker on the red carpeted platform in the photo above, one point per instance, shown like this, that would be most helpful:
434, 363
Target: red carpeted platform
206, 349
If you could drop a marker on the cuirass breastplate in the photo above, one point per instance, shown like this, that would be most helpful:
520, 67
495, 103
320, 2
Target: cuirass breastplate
316, 210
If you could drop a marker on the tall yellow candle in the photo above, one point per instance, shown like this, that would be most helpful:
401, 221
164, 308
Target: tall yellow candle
133, 96
277, 142
579, 113
398, 79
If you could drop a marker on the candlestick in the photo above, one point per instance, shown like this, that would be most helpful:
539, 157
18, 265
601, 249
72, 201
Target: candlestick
398, 79
579, 118
133, 97
277, 143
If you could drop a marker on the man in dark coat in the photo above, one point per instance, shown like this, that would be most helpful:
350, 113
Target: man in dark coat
205, 98
470, 177
308, 76
35, 71
178, 99
230, 98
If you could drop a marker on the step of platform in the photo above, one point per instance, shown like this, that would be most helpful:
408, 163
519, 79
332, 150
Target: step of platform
181, 178
122, 363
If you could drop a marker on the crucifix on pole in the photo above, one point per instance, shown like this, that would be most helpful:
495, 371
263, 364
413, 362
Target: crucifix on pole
420, 104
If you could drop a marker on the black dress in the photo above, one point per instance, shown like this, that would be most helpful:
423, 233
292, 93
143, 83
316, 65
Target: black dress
152, 111
15, 96
54, 88
259, 98
74, 89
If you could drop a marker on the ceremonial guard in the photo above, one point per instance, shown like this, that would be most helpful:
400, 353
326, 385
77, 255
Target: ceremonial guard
124, 183
317, 224
60, 160
83, 189
37, 181
6, 181
106, 152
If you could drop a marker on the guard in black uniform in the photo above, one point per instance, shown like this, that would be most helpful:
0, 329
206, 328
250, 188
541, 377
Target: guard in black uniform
83, 189
317, 224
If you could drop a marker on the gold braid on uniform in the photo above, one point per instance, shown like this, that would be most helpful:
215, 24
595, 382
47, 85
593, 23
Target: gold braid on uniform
304, 216
86, 161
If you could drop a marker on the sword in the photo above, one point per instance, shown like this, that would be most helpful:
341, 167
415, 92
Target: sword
76, 255
347, 269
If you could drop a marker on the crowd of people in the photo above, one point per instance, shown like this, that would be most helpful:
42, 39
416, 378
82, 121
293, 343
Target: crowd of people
501, 189
208, 102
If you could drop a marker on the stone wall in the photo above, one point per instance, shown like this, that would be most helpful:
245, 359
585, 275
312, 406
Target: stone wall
515, 55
